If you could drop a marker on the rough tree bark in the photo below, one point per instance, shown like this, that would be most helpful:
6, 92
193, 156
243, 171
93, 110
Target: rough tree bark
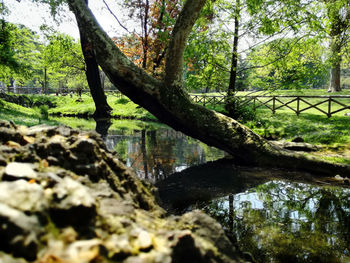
336, 47
339, 14
93, 75
168, 101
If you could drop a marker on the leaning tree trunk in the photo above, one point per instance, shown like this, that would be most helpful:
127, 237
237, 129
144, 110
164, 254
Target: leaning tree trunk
168, 101
93, 75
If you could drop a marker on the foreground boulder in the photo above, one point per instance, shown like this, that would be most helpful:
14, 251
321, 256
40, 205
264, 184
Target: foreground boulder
65, 198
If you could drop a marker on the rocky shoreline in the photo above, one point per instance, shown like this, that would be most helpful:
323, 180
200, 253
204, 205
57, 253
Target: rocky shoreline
65, 198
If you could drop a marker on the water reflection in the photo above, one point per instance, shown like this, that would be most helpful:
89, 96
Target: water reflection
157, 153
288, 222
152, 149
102, 126
274, 220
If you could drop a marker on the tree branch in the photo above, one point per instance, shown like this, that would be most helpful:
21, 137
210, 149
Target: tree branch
179, 36
130, 79
290, 49
115, 17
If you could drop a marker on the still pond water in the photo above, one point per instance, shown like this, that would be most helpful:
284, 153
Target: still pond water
272, 218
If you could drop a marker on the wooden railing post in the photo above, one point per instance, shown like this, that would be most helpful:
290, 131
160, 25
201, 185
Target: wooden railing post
273, 105
329, 114
298, 105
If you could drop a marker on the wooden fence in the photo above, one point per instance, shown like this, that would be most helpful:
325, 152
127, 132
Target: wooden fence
211, 99
115, 93
328, 105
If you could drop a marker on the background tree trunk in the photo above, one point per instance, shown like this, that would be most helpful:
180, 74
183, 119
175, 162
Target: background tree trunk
168, 101
339, 18
334, 84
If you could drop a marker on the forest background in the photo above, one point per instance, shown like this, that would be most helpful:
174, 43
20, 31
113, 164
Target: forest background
264, 44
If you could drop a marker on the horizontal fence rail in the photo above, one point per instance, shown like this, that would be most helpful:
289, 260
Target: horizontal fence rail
327, 105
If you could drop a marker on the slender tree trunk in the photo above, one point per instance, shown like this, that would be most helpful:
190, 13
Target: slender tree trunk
93, 76
169, 102
45, 81
230, 103
145, 34
234, 59
159, 54
103, 79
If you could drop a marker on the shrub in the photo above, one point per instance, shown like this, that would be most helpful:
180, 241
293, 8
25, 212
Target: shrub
44, 111
122, 100
239, 110
39, 100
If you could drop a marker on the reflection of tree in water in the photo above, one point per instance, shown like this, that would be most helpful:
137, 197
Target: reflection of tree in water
155, 154
288, 222
102, 126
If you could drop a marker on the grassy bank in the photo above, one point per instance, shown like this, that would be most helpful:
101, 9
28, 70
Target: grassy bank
122, 107
332, 133
126, 126
22, 115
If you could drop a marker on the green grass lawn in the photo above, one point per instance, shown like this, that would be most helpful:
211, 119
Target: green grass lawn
129, 126
22, 115
122, 106
311, 127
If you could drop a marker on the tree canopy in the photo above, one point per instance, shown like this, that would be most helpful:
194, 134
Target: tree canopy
26, 58
212, 40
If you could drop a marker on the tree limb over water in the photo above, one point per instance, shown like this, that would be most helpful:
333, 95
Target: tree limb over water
168, 101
